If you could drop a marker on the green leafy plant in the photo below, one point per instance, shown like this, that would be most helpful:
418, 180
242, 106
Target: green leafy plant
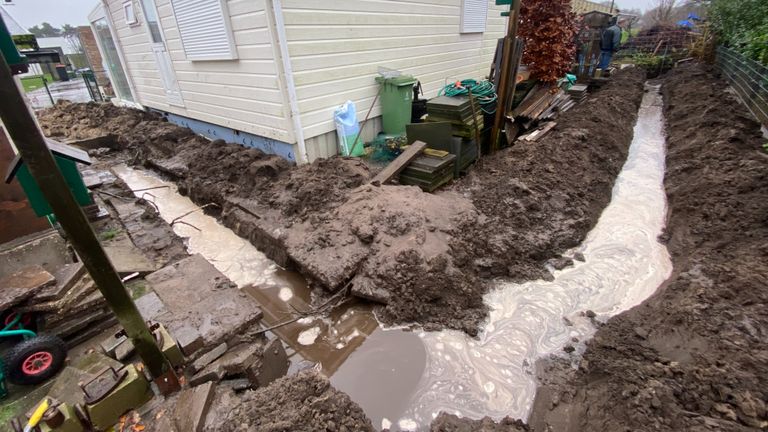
109, 234
742, 25
652, 63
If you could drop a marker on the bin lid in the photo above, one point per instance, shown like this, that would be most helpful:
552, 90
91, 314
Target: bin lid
402, 80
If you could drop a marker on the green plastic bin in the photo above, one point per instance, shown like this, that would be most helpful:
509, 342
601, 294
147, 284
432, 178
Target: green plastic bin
396, 102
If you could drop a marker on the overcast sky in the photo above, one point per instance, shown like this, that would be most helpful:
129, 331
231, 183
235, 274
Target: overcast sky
75, 12
57, 12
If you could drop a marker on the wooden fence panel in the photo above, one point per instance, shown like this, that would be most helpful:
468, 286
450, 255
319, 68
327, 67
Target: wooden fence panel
749, 78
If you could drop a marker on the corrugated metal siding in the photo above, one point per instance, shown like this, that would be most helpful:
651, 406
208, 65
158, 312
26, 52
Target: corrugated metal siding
336, 48
242, 94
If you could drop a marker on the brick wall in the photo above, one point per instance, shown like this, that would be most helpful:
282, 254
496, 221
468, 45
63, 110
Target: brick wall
88, 40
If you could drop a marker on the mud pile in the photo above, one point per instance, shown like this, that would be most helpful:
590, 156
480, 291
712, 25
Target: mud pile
694, 356
422, 256
542, 198
303, 402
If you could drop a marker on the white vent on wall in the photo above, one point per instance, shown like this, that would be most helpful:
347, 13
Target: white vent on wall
205, 29
474, 14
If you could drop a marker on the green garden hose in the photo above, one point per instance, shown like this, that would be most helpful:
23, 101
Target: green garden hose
484, 91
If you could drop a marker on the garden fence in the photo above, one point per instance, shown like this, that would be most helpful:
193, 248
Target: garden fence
749, 78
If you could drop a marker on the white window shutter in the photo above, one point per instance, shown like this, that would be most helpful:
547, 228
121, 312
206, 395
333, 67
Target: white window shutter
205, 29
474, 14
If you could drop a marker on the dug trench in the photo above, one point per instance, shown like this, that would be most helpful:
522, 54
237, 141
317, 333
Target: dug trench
694, 355
425, 258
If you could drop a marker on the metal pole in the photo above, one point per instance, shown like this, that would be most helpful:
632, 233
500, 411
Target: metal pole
31, 144
47, 90
612, 3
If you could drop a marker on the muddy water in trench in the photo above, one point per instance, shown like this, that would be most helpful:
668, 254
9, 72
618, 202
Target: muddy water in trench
493, 374
403, 379
327, 341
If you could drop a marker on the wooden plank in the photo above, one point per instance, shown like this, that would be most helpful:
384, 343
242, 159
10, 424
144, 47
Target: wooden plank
397, 165
543, 131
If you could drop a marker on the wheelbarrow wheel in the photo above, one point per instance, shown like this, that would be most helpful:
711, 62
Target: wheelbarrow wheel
33, 361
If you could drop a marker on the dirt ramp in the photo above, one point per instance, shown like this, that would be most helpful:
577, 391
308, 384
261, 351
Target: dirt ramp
693, 356
303, 402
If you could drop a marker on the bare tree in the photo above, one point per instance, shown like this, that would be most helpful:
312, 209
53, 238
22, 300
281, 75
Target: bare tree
662, 13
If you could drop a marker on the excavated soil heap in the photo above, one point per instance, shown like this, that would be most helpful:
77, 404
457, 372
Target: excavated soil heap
541, 198
302, 402
423, 256
695, 355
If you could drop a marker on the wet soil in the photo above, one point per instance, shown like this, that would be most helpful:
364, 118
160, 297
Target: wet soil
541, 198
302, 402
451, 423
694, 356
425, 258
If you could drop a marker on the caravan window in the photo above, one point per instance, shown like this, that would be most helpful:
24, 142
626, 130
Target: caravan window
205, 29
474, 14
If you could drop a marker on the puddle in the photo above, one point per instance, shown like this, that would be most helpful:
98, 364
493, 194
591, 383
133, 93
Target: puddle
328, 341
493, 375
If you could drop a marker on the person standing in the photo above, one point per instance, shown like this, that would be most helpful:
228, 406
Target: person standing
610, 42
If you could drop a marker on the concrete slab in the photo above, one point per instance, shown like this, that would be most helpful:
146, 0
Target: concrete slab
66, 278
272, 365
47, 249
197, 296
23, 284
126, 257
81, 290
192, 407
208, 358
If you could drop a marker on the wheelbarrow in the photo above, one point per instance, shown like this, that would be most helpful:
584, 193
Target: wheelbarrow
33, 358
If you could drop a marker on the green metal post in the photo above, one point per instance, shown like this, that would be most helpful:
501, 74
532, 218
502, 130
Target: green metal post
29, 140
47, 90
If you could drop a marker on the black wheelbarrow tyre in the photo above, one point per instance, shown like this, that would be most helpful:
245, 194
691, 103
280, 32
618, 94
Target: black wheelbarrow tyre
35, 360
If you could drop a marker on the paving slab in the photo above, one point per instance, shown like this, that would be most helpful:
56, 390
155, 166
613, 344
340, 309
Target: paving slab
208, 358
192, 407
126, 257
198, 296
272, 365
66, 278
23, 284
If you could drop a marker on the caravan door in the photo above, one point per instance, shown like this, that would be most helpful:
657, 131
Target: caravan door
162, 57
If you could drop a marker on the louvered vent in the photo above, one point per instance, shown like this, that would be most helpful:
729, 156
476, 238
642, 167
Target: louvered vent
205, 29
474, 14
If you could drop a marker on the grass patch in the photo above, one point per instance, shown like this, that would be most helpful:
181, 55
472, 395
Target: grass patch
34, 82
137, 288
109, 234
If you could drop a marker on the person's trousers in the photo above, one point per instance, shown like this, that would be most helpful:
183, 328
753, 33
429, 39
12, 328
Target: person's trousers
605, 59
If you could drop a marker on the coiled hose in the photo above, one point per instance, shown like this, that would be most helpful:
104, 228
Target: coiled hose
483, 91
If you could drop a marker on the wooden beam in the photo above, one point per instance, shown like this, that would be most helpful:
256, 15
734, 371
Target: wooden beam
397, 165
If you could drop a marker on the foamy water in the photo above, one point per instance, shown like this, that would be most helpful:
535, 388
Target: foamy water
624, 265
493, 374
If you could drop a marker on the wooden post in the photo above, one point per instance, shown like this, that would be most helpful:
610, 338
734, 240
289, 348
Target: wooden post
506, 64
23, 130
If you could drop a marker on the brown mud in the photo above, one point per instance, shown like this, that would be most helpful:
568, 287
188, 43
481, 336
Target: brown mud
451, 423
694, 356
424, 257
302, 402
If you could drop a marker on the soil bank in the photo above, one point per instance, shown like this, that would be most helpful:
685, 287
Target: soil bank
424, 257
693, 356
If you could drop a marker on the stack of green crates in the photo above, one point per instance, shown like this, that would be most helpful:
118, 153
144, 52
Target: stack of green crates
458, 111
429, 172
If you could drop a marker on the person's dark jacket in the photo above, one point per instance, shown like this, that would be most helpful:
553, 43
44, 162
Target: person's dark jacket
611, 39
